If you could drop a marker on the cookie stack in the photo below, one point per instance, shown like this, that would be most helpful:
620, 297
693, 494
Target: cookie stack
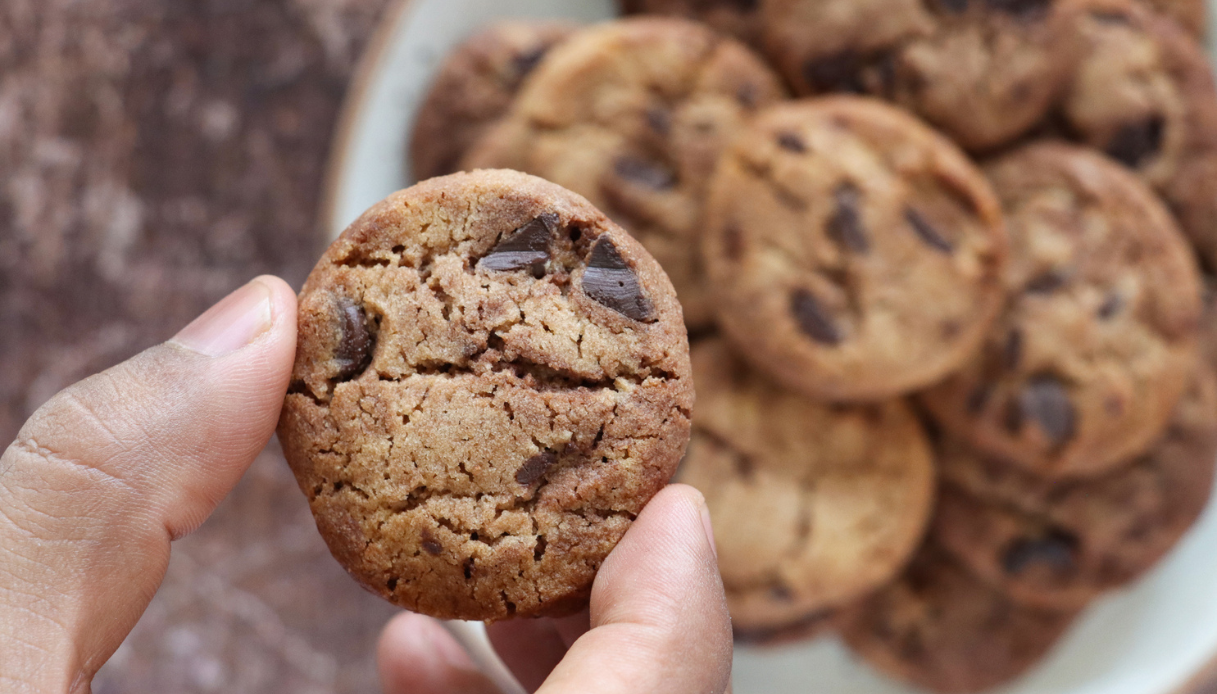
945, 305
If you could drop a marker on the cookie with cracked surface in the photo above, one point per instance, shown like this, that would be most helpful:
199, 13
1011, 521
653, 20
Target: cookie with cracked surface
1058, 546
1098, 337
941, 628
491, 380
738, 18
813, 504
983, 71
1144, 94
854, 253
633, 115
474, 88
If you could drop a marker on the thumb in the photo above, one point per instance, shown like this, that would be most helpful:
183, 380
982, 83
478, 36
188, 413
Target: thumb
658, 615
106, 474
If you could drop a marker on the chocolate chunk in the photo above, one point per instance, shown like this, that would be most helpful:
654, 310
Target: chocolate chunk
1047, 282
1025, 9
979, 397
1012, 353
354, 351
792, 143
526, 248
429, 544
1045, 401
1056, 550
813, 319
1111, 306
1136, 143
927, 232
845, 227
742, 5
536, 467
955, 6
660, 120
650, 174
609, 281
526, 62
839, 72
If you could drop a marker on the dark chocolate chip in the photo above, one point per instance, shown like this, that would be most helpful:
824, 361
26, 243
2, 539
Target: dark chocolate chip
978, 398
1057, 550
741, 5
526, 248
1047, 282
648, 173
955, 6
429, 544
660, 120
1025, 9
1111, 306
1012, 353
354, 351
1136, 143
1045, 401
839, 72
813, 319
527, 62
609, 281
535, 467
792, 143
927, 232
468, 566
845, 227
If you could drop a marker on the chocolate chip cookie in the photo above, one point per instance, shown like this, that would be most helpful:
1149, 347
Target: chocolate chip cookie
983, 71
634, 114
1098, 337
1057, 546
813, 505
738, 18
854, 253
1144, 94
474, 88
491, 381
941, 628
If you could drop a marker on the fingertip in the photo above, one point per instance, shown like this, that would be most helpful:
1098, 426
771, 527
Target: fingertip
416, 654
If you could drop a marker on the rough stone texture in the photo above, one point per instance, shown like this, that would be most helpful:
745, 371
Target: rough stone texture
156, 155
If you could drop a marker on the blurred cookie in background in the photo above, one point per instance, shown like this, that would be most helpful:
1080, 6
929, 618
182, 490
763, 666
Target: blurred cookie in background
474, 88
738, 18
854, 253
1098, 338
813, 505
941, 628
1060, 545
633, 115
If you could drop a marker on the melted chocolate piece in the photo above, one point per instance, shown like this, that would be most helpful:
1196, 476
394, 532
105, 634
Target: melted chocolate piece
1045, 401
839, 72
813, 320
1134, 144
660, 120
650, 174
1056, 550
1112, 305
526, 248
845, 227
354, 351
927, 232
1012, 353
609, 281
1047, 283
791, 142
536, 467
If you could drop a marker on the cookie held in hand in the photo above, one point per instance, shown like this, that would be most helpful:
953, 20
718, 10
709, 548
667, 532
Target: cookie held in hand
492, 379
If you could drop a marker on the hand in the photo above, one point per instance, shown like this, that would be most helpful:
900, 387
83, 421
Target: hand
109, 472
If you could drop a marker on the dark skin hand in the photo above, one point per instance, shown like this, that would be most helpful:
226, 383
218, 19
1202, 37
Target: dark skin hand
104, 477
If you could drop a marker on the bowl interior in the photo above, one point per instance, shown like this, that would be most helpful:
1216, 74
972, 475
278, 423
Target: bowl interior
1149, 639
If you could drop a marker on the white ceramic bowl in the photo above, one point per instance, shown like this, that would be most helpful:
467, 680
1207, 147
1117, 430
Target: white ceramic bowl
1150, 639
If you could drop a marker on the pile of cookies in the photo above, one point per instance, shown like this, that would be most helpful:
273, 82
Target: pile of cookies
940, 264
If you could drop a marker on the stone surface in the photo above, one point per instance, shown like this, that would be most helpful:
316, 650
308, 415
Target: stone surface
156, 155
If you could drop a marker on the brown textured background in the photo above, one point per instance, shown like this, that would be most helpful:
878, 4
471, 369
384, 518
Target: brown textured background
155, 155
